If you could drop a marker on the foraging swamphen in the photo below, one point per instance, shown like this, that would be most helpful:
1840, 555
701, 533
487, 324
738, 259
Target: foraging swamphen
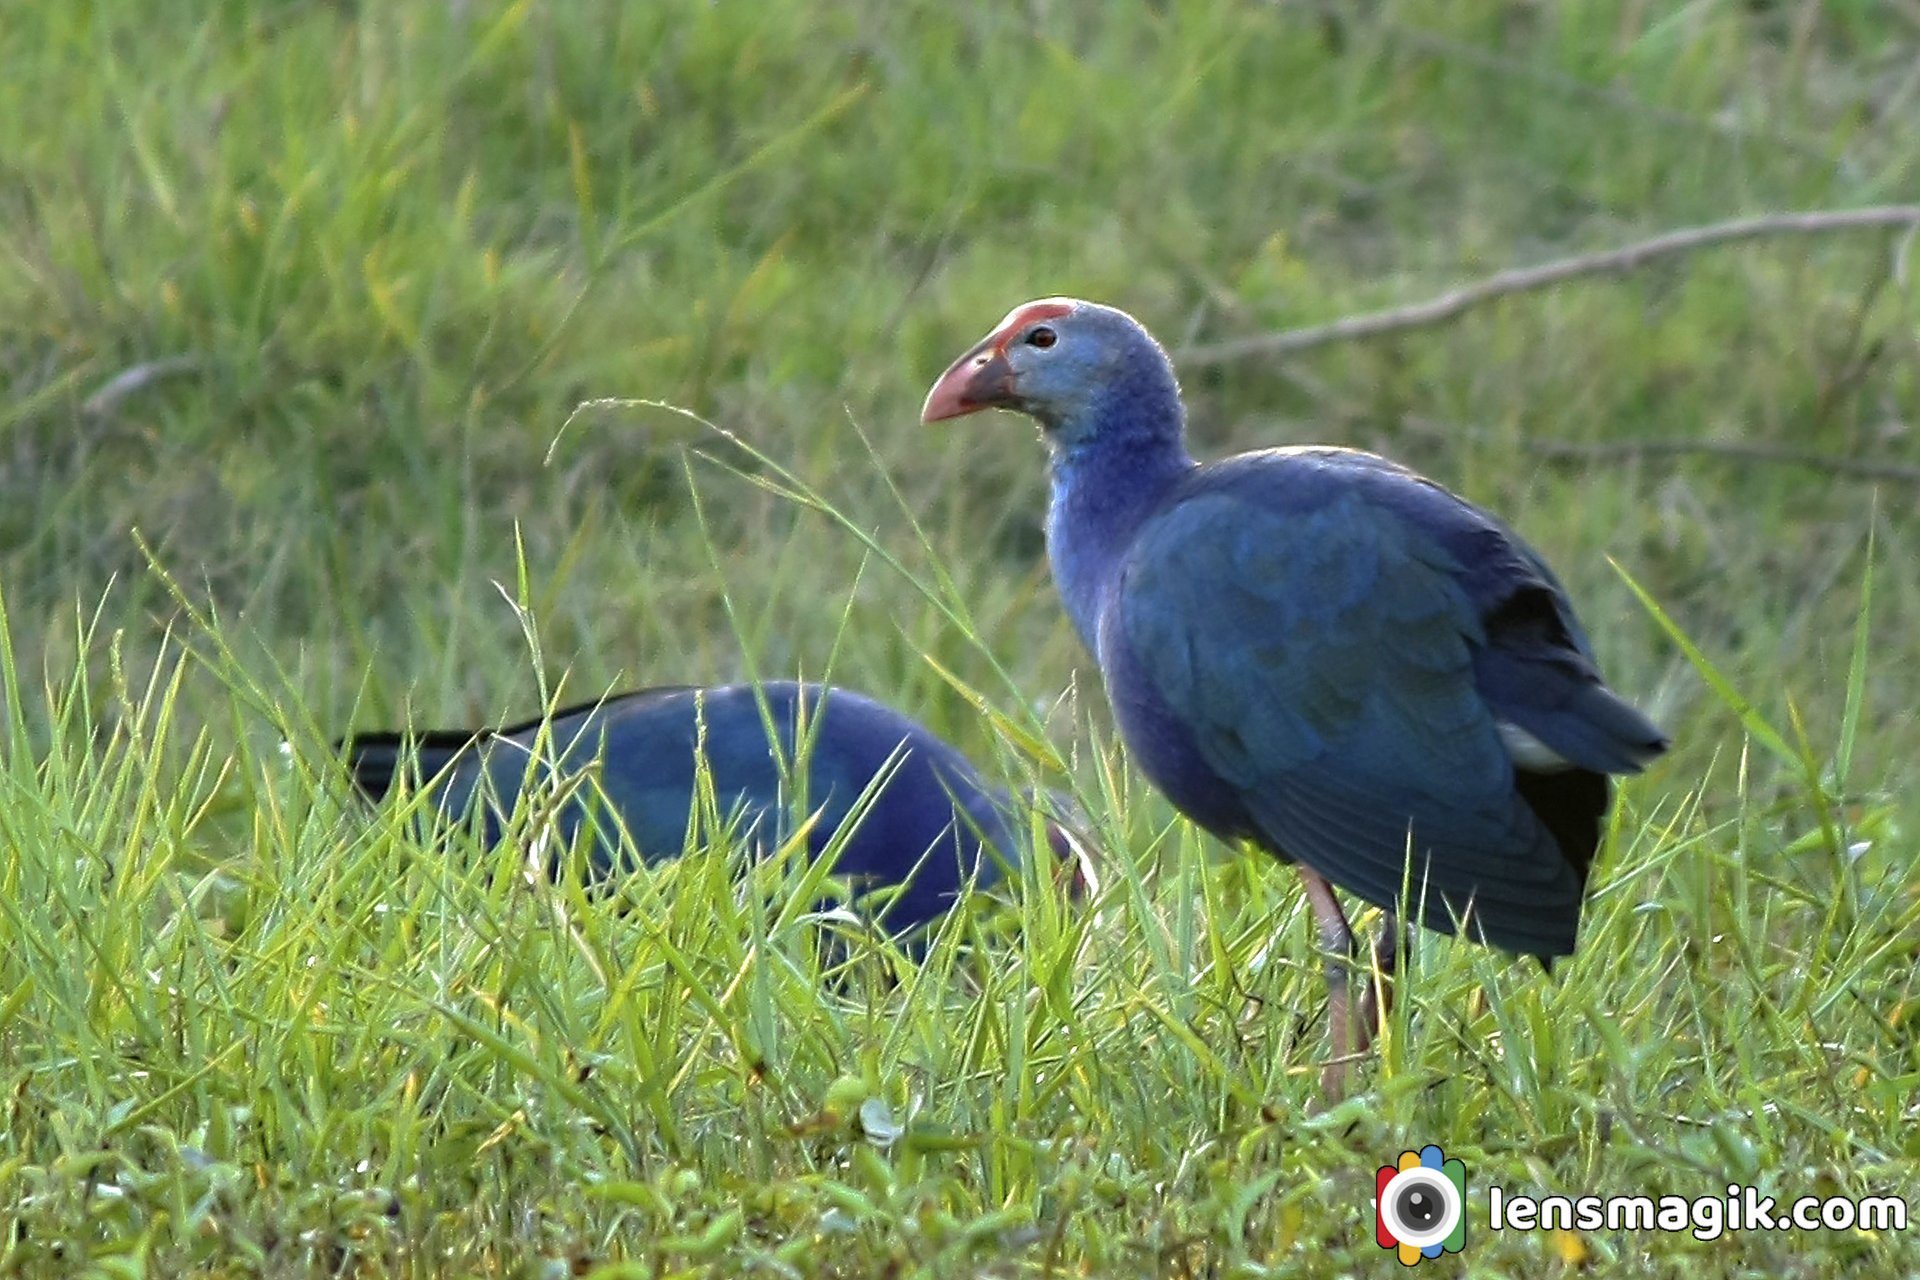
924, 818
1318, 650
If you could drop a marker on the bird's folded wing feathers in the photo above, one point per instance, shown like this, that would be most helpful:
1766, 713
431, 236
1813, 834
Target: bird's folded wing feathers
1327, 633
1322, 656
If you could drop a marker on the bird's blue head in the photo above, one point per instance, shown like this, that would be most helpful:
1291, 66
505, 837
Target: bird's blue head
1086, 373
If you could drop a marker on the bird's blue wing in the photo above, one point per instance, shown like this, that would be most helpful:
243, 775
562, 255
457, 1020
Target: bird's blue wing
1533, 665
1319, 649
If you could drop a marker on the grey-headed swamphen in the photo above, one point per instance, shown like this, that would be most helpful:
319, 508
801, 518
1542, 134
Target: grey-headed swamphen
930, 824
1318, 650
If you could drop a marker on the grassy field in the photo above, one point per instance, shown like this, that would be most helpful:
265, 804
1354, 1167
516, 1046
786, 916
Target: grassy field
294, 301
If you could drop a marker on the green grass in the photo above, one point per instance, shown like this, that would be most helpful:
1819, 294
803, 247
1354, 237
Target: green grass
246, 1028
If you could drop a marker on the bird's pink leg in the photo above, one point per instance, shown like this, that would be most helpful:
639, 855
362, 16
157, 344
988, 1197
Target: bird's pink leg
1350, 1031
1376, 1000
1345, 1041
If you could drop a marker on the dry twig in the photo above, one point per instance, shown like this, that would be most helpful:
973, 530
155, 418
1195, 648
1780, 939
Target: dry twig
1452, 303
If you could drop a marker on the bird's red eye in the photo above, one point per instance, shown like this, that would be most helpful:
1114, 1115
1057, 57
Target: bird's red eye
1042, 337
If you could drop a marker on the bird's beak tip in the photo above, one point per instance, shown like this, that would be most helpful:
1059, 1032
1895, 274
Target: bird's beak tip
942, 404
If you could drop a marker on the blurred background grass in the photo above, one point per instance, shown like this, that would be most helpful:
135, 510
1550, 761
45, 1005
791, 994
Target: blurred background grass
374, 255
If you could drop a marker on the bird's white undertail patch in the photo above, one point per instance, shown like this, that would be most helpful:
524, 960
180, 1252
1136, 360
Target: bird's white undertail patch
1528, 751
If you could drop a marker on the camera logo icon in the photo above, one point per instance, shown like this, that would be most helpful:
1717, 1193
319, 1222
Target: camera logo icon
1419, 1205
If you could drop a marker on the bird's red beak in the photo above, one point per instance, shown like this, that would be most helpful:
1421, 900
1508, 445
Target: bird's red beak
980, 379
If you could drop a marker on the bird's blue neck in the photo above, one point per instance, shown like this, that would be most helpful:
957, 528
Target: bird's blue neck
1105, 485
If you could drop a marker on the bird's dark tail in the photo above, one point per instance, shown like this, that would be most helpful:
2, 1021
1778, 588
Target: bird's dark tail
1572, 805
376, 759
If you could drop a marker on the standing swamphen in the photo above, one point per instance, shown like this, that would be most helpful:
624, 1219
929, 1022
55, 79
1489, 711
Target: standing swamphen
925, 818
1318, 650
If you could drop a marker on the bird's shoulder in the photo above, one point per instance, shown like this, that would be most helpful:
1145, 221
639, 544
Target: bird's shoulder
1302, 479
1294, 524
1333, 512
